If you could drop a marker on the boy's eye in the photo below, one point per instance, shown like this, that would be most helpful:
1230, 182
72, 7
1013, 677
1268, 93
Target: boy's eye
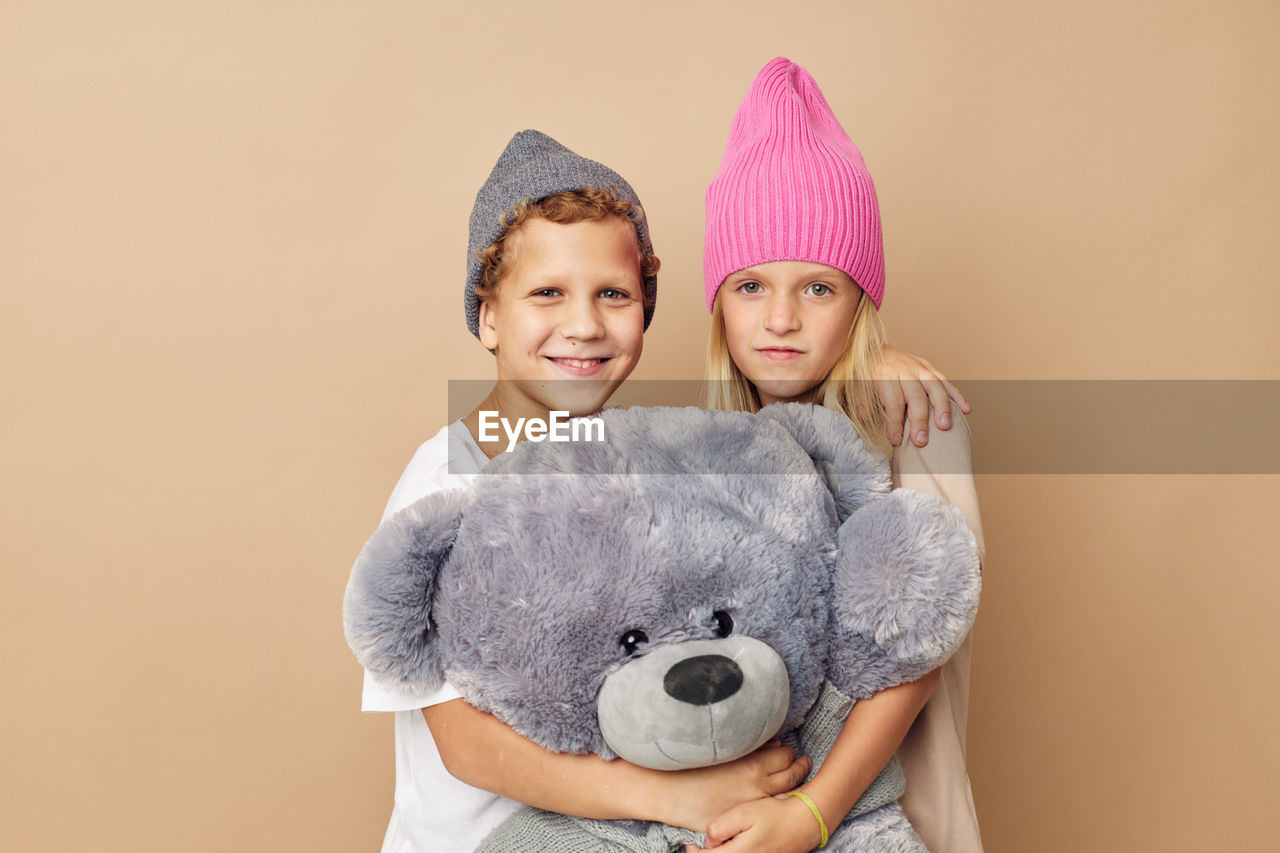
614, 293
749, 287
819, 289
546, 291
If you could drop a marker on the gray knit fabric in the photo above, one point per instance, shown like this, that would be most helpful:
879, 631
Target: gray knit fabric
535, 166
533, 830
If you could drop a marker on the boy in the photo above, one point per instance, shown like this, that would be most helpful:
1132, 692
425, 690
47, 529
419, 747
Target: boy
561, 284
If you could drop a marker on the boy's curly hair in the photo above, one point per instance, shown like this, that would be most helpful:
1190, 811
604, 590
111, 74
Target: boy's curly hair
588, 204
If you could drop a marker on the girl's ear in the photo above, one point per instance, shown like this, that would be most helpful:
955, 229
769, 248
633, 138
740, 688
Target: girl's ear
386, 612
853, 473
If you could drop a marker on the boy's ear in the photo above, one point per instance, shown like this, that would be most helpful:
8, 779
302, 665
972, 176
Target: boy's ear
905, 590
854, 474
488, 333
386, 612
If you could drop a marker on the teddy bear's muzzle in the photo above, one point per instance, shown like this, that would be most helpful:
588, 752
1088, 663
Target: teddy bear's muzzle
695, 703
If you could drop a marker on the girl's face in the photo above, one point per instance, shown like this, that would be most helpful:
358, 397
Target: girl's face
786, 324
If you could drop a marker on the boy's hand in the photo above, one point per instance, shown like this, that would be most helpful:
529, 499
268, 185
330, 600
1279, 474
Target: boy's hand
704, 793
769, 825
908, 385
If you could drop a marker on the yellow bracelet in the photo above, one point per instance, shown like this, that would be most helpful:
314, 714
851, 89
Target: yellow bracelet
822, 824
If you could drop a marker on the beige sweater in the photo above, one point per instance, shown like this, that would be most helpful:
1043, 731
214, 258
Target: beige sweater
938, 799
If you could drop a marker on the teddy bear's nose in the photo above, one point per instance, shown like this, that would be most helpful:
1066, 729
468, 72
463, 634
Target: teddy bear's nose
703, 680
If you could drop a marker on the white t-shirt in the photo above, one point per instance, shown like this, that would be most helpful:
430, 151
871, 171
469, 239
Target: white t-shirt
433, 811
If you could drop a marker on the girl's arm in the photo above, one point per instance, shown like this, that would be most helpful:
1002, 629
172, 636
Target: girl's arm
870, 736
481, 750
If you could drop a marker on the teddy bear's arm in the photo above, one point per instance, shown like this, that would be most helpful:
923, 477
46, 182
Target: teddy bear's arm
386, 611
905, 591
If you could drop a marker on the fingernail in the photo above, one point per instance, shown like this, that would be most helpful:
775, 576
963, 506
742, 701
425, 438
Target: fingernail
945, 418
897, 437
922, 437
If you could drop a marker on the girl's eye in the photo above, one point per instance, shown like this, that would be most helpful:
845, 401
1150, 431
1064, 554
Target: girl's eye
547, 291
633, 640
724, 623
749, 287
819, 289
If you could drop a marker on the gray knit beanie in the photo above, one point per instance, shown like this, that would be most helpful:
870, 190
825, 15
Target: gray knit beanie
535, 166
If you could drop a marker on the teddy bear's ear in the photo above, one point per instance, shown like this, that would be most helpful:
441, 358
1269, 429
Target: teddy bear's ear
386, 612
905, 591
854, 474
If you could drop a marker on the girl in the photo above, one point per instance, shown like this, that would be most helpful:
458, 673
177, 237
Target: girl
794, 270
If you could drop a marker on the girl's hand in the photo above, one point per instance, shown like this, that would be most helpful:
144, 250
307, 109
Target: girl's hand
769, 825
701, 794
909, 385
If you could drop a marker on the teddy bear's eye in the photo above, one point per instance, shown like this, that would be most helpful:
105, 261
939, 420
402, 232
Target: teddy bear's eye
633, 640
724, 623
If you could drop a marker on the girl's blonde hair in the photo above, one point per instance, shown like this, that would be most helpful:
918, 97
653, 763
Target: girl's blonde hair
847, 388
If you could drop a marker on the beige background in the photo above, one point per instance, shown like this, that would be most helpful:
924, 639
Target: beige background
231, 247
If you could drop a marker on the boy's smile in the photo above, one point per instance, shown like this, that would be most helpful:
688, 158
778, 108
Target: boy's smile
786, 324
580, 366
566, 322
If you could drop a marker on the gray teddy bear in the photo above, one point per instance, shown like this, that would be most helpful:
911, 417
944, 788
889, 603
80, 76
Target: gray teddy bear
703, 582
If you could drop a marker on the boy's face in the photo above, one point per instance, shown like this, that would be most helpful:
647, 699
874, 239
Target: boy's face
566, 322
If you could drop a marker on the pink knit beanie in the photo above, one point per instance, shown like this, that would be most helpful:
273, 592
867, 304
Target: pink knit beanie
792, 186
